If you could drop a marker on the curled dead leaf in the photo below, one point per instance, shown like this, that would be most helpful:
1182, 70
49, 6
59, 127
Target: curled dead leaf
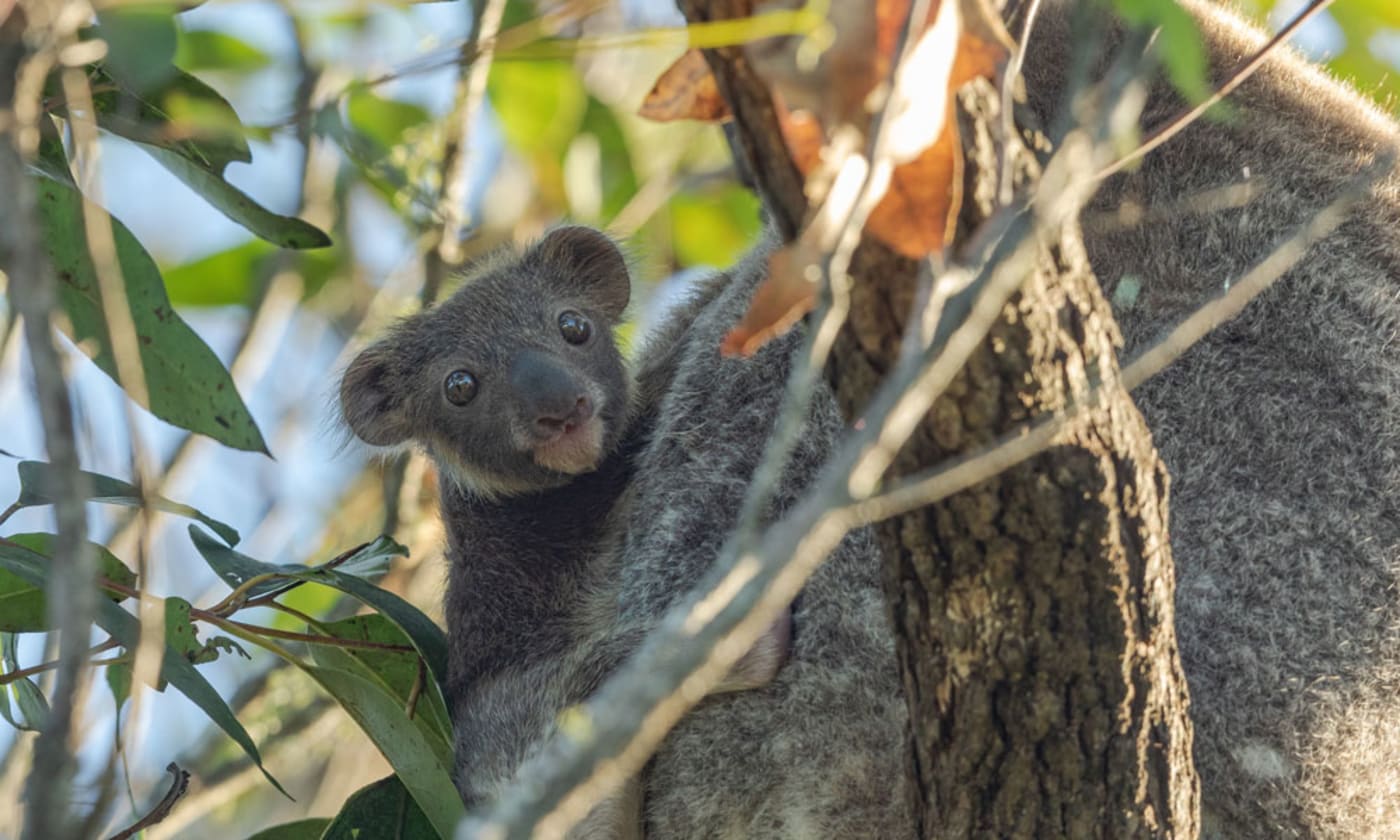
686, 90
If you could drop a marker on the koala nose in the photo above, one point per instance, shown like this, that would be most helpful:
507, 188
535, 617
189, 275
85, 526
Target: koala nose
556, 424
551, 398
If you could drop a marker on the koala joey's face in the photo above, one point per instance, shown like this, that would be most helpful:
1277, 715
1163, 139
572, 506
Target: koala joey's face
514, 383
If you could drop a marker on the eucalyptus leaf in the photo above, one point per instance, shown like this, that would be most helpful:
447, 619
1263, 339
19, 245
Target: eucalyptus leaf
125, 628
235, 569
29, 701
426, 636
286, 231
36, 488
209, 49
185, 115
415, 762
309, 829
382, 809
187, 385
22, 606
400, 672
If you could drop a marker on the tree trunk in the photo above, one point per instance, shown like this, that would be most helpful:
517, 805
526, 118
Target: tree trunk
1033, 612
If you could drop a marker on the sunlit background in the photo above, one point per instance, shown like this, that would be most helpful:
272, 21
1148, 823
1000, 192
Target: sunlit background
556, 139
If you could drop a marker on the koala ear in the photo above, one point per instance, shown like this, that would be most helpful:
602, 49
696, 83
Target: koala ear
589, 261
369, 403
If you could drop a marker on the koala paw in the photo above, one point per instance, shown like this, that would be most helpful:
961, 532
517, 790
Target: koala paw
760, 665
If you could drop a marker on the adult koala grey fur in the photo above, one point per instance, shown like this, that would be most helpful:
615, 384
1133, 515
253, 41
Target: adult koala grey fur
1281, 431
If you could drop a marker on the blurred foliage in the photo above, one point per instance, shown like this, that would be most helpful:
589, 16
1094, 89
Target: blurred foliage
556, 138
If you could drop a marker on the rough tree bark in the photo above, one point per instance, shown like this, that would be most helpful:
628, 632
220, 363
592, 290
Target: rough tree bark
1033, 612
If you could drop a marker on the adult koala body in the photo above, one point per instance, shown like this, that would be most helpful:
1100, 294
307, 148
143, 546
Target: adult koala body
1281, 431
820, 751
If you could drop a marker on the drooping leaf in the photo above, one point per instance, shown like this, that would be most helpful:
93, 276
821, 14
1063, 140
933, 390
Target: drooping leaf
415, 762
119, 683
126, 628
36, 488
286, 231
184, 115
382, 809
29, 701
187, 385
209, 49
401, 673
22, 606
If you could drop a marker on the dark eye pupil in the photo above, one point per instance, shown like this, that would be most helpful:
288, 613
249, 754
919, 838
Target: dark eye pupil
460, 387
574, 327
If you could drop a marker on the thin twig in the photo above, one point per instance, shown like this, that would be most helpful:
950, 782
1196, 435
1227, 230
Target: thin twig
178, 785
21, 673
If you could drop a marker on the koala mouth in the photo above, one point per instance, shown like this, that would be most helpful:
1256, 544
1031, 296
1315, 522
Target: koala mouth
576, 448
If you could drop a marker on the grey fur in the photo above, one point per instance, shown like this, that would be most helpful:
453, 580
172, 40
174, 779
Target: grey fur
1281, 431
820, 751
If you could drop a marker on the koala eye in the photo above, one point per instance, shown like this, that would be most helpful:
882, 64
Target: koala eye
460, 387
575, 328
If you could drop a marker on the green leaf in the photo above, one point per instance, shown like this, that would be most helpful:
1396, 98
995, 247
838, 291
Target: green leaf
208, 49
222, 279
403, 744
187, 384
32, 706
310, 829
22, 605
125, 628
426, 636
382, 809
286, 231
383, 121
119, 682
185, 115
399, 672
1178, 44
140, 42
369, 560
36, 488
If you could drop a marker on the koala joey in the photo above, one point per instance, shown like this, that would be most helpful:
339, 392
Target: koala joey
516, 389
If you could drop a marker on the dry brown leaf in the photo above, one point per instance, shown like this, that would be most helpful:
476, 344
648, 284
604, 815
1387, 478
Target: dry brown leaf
780, 302
686, 90
960, 40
